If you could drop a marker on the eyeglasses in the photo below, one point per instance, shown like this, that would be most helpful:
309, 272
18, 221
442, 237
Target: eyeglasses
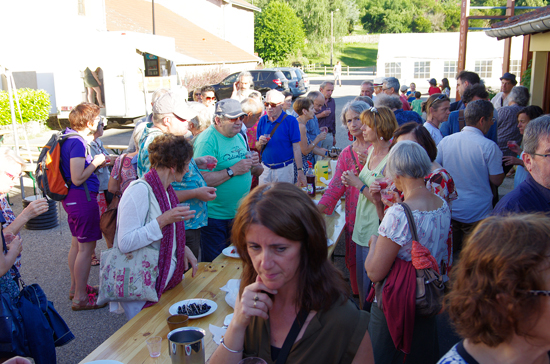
541, 155
12, 177
271, 104
208, 98
538, 292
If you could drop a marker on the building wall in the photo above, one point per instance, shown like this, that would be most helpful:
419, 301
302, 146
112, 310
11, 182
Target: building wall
233, 24
411, 52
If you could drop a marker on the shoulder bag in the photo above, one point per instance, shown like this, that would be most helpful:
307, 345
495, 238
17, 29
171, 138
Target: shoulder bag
271, 134
130, 276
107, 221
429, 284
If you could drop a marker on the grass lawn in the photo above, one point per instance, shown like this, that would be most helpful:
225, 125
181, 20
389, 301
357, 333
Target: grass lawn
351, 54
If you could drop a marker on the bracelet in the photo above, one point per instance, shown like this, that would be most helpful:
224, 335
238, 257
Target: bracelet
326, 153
362, 188
230, 350
299, 169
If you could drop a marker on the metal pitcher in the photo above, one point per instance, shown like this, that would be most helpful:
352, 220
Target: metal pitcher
186, 345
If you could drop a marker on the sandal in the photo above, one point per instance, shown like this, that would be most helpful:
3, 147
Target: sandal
89, 290
95, 261
90, 305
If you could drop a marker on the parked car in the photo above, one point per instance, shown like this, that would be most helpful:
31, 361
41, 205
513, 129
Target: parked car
296, 81
263, 81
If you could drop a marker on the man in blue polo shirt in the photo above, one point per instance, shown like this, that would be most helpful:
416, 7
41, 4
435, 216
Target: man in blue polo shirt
533, 194
278, 137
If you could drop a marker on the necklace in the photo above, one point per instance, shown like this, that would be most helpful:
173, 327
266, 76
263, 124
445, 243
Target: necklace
409, 192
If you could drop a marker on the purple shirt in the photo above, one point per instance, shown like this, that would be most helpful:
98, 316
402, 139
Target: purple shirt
329, 121
75, 147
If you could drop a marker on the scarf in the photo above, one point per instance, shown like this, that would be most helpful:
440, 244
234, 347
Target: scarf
165, 253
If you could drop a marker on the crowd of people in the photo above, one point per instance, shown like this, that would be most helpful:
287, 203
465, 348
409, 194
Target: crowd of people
201, 175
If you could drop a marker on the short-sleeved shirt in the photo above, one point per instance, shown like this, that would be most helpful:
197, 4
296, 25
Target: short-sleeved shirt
279, 149
528, 197
366, 220
434, 132
452, 125
329, 121
500, 100
312, 128
228, 152
96, 147
75, 147
416, 105
470, 158
192, 180
127, 172
432, 228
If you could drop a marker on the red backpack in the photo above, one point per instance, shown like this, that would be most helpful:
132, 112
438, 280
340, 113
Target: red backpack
49, 175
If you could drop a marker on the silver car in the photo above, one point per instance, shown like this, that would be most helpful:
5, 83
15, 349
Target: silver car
298, 83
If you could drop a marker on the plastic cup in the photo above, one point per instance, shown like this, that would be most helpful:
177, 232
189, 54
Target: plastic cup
154, 344
177, 321
267, 136
210, 166
184, 204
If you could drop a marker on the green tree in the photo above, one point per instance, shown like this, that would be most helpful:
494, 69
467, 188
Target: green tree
421, 25
278, 32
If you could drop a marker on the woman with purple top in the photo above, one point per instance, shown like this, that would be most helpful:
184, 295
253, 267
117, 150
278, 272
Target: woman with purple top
81, 202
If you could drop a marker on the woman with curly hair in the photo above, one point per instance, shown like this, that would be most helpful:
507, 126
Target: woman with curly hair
499, 300
158, 223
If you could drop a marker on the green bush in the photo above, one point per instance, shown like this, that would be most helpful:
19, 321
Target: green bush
35, 106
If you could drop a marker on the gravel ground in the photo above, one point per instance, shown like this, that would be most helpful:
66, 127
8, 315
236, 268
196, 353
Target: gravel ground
44, 258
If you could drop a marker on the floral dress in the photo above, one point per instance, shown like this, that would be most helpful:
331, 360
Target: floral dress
9, 217
127, 173
8, 283
348, 160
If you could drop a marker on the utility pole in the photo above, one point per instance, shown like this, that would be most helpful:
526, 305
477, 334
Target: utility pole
331, 35
153, 17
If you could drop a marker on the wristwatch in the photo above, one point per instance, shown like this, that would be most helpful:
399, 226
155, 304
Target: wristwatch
230, 172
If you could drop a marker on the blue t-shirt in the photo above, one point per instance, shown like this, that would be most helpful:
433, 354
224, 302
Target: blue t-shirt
75, 147
279, 149
312, 128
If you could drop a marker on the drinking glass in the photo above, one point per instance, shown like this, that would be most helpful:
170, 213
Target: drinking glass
154, 345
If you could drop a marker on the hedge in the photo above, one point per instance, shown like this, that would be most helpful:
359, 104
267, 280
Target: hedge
35, 106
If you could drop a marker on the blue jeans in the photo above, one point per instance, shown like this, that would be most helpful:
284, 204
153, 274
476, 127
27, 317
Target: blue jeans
215, 237
363, 280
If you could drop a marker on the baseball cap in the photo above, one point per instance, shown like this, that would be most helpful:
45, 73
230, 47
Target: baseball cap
432, 81
378, 81
173, 102
230, 108
509, 76
275, 97
404, 88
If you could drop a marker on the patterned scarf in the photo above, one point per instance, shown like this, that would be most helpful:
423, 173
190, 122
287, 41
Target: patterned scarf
165, 253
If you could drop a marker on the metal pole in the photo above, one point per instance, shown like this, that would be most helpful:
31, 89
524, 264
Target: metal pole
464, 13
510, 4
154, 17
331, 35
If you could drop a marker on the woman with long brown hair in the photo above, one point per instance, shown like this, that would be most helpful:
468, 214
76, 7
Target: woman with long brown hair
291, 296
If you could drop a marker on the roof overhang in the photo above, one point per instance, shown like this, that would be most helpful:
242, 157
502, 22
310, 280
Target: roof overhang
531, 26
243, 4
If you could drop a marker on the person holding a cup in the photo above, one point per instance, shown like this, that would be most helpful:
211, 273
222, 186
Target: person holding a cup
348, 161
159, 223
10, 167
293, 303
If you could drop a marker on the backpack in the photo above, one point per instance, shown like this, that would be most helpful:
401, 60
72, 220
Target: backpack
49, 174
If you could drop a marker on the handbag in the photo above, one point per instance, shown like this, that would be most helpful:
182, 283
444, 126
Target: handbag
429, 283
130, 276
29, 324
107, 221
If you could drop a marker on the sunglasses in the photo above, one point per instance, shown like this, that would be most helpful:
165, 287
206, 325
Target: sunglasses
240, 118
271, 104
208, 98
180, 119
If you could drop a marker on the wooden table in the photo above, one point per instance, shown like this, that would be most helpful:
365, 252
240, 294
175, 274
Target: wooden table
127, 345
116, 148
